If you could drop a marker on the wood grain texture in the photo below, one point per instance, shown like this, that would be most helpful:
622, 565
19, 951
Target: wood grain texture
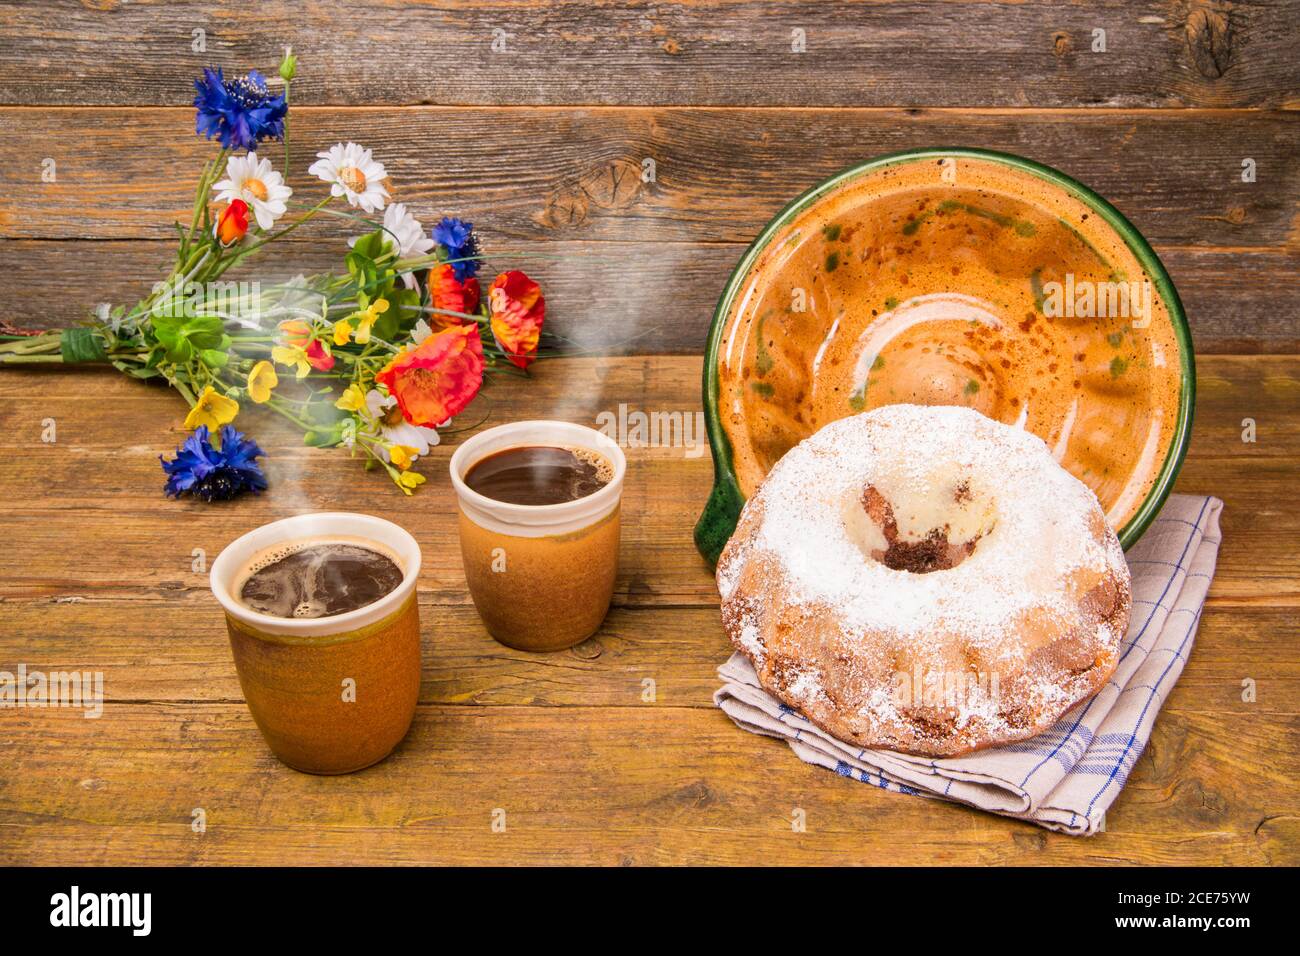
172, 648
1166, 53
542, 147
651, 784
98, 575
625, 298
525, 175
107, 468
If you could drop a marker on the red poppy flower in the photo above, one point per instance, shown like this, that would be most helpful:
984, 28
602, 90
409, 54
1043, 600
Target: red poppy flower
232, 224
517, 312
451, 294
320, 357
437, 379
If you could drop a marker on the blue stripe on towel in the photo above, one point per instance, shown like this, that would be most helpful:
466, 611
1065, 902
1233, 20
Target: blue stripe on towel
1078, 721
864, 776
1125, 764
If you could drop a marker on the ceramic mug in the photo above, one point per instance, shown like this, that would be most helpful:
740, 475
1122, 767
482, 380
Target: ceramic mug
541, 576
330, 694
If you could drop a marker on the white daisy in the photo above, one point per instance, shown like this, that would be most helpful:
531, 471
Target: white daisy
403, 232
397, 430
256, 183
351, 171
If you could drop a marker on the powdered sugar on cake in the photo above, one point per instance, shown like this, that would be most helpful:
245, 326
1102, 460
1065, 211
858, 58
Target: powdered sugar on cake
817, 481
931, 540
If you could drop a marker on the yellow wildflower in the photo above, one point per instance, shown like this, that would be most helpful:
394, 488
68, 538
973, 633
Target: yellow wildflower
368, 317
403, 456
408, 481
212, 409
292, 355
353, 399
261, 380
342, 332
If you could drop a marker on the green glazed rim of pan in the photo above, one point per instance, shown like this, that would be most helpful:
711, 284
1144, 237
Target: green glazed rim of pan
722, 510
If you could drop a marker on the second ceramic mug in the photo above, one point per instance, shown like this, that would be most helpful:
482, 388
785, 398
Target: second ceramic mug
330, 694
541, 576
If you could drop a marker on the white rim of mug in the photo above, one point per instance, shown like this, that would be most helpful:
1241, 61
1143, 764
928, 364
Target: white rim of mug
583, 436
388, 535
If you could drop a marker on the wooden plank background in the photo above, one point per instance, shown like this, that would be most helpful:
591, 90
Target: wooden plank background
1183, 53
542, 146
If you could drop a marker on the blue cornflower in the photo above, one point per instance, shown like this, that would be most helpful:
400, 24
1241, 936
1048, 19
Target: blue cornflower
458, 239
214, 474
241, 112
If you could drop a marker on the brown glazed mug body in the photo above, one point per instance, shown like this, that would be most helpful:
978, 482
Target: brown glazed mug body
545, 593
541, 576
330, 694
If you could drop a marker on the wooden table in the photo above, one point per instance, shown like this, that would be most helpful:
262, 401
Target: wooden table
543, 146
98, 574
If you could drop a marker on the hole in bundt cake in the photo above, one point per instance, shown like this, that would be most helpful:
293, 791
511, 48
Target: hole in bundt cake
932, 553
918, 552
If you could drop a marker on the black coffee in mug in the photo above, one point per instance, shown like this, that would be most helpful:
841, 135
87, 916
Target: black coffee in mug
540, 475
317, 579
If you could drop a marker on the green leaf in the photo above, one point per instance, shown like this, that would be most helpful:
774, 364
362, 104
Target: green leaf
371, 266
183, 337
136, 371
403, 313
326, 437
374, 246
82, 345
326, 413
206, 332
173, 340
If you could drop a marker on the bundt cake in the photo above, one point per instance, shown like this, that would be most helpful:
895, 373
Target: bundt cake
926, 580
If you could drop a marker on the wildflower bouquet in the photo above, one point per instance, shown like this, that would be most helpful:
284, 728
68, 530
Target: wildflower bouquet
374, 357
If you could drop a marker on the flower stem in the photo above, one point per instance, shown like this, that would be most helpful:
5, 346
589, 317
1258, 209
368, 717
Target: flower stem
210, 172
185, 392
12, 358
33, 345
287, 229
274, 404
287, 85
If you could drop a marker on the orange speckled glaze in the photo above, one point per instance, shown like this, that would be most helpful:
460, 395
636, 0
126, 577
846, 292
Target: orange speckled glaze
295, 690
959, 281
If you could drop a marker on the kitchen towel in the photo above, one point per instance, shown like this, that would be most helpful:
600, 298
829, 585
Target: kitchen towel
1065, 778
